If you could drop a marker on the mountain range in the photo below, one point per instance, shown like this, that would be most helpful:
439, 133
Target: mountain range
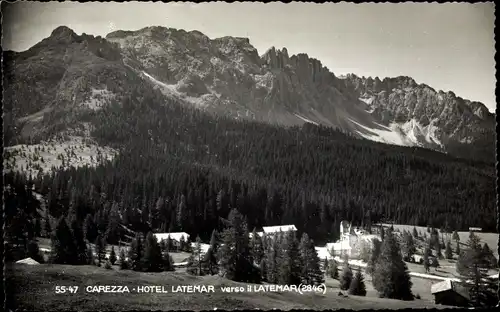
57, 84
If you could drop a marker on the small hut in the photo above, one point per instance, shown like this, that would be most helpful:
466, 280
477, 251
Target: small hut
450, 293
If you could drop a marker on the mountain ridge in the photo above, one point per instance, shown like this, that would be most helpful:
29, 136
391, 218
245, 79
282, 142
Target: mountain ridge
227, 76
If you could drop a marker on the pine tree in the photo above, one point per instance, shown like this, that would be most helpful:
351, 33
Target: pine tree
346, 277
263, 269
187, 245
163, 245
122, 260
90, 259
357, 287
89, 229
169, 244
38, 227
113, 230
311, 273
256, 247
426, 263
100, 249
181, 207
80, 243
34, 252
234, 254
391, 278
490, 258
135, 253
473, 264
48, 228
333, 270
63, 249
271, 264
415, 233
448, 252
408, 247
195, 262
214, 241
168, 262
152, 260
376, 247
210, 260
182, 244
289, 266
456, 237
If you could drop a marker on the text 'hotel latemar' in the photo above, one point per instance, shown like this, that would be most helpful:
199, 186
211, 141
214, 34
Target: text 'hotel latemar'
162, 289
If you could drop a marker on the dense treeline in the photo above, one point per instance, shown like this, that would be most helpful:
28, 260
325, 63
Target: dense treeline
278, 259
181, 169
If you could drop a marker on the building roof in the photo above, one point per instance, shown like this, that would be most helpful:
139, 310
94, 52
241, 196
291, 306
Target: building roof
176, 236
283, 228
448, 285
441, 286
28, 261
258, 233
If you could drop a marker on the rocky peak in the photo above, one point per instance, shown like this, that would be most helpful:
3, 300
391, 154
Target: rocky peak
63, 34
231, 45
119, 34
276, 58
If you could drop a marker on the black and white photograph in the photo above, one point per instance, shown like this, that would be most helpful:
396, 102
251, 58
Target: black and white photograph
166, 156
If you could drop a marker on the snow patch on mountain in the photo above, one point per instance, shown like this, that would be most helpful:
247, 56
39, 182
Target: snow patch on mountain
409, 133
413, 130
431, 136
167, 89
307, 120
170, 90
387, 135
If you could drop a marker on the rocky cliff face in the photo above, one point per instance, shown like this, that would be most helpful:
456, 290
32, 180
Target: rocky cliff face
440, 117
70, 73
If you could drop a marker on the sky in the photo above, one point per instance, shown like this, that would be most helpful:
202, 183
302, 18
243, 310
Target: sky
449, 47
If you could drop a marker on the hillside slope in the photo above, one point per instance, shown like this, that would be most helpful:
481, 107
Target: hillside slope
43, 279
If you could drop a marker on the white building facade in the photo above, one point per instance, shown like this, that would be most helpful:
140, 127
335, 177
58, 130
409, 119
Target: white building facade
351, 241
